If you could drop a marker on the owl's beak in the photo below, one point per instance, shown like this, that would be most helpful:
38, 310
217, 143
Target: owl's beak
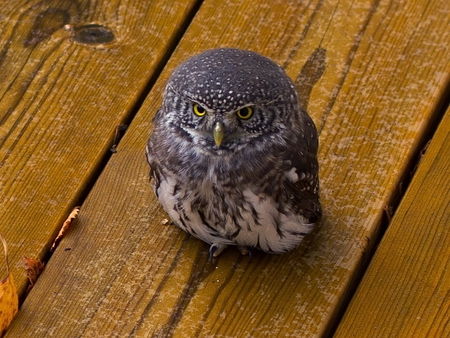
218, 133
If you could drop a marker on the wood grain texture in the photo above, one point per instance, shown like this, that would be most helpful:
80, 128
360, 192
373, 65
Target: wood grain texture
121, 272
405, 292
60, 103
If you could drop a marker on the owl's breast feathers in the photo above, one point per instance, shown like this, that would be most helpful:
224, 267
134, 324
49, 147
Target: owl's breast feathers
265, 199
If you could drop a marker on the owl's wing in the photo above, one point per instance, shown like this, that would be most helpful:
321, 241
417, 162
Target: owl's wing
307, 197
304, 186
154, 170
155, 167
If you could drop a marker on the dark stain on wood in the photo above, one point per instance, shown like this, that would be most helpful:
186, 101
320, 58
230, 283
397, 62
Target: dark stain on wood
310, 74
45, 24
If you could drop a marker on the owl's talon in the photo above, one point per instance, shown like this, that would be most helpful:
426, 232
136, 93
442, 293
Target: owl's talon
244, 250
215, 250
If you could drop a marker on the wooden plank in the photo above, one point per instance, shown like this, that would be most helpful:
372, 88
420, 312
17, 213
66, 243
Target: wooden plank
361, 71
60, 102
405, 292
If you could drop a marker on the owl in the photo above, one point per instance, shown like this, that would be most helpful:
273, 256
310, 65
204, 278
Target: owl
233, 157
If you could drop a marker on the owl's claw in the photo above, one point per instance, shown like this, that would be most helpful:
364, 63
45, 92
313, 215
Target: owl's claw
244, 250
216, 249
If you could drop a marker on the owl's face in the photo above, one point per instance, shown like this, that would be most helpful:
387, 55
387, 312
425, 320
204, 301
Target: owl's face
226, 101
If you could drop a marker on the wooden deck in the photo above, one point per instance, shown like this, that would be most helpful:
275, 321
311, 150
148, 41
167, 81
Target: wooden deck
374, 76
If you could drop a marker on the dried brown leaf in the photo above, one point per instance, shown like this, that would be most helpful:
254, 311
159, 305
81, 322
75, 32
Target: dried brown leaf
34, 268
65, 227
9, 301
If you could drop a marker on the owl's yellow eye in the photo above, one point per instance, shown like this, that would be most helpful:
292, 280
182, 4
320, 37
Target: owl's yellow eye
198, 110
245, 113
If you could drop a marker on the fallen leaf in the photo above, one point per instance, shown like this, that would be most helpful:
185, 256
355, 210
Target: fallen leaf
65, 227
120, 131
34, 268
9, 301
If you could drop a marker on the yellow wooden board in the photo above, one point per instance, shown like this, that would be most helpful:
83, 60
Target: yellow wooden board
61, 100
370, 75
405, 292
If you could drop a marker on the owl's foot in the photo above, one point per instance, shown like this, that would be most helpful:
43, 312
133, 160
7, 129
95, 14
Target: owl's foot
216, 249
244, 250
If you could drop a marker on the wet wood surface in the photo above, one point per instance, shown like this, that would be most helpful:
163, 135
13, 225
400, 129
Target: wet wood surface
405, 292
63, 91
372, 75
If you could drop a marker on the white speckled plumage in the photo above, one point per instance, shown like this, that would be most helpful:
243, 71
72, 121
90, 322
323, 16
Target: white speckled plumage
255, 187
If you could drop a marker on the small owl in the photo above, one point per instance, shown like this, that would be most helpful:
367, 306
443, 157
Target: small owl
233, 157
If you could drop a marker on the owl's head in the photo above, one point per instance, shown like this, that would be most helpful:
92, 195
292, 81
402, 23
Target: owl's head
227, 99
